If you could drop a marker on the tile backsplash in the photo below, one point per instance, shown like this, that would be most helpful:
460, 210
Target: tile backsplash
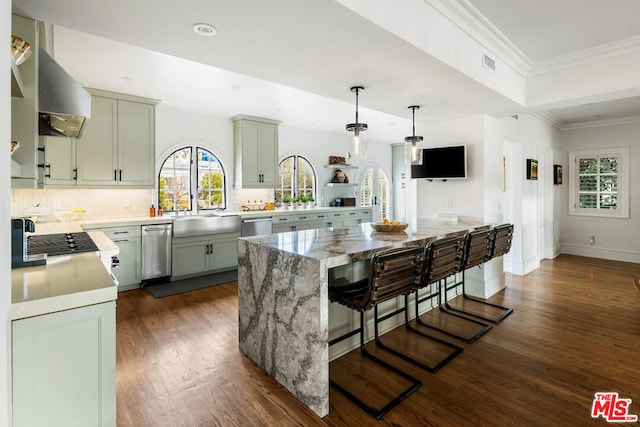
103, 203
110, 203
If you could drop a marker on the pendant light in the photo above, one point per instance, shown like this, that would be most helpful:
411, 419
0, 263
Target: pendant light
357, 133
415, 155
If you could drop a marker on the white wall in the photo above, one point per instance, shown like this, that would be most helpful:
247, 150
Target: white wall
464, 197
174, 128
530, 205
615, 238
5, 244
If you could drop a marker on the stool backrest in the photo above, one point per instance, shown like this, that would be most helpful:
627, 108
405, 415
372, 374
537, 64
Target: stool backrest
443, 257
395, 272
503, 239
477, 248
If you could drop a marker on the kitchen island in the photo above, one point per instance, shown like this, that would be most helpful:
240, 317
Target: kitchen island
283, 297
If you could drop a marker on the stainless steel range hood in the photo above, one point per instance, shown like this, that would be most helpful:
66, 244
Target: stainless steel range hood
63, 104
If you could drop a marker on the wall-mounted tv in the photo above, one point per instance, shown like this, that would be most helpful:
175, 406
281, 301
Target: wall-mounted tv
442, 163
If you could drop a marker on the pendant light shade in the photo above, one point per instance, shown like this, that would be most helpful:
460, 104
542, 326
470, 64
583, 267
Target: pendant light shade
357, 133
415, 154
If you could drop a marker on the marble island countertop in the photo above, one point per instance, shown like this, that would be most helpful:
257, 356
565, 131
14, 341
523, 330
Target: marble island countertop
345, 245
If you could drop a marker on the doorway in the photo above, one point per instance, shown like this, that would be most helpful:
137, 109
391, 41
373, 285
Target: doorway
375, 190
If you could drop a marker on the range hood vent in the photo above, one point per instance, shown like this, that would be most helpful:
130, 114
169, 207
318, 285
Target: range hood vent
63, 104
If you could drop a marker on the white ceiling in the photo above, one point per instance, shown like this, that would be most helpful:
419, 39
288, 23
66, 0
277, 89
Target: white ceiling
295, 60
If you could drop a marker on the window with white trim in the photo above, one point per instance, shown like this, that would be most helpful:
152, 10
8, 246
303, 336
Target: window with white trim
181, 177
599, 182
296, 178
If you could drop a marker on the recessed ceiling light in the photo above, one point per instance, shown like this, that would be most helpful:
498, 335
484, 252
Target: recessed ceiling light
205, 30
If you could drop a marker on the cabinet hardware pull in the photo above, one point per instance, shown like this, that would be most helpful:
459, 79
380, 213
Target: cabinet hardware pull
75, 174
120, 174
115, 174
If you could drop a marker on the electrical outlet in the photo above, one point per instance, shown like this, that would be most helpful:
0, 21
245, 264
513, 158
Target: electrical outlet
592, 240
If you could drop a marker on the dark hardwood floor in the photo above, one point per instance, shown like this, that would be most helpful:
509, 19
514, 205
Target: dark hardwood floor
575, 330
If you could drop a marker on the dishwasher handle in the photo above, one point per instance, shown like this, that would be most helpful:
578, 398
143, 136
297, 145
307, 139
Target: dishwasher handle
257, 219
162, 227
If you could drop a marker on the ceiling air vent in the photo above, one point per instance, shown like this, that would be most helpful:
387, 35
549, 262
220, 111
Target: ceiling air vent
488, 62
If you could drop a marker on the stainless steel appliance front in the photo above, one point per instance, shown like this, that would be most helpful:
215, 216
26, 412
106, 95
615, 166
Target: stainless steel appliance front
156, 251
257, 226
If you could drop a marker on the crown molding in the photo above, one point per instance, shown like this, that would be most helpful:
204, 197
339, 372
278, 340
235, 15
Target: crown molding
549, 119
469, 19
603, 122
599, 53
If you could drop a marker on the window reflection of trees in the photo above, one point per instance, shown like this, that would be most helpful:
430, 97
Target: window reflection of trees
296, 177
175, 181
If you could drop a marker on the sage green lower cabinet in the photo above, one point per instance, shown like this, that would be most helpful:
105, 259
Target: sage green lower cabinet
64, 368
129, 241
196, 256
281, 223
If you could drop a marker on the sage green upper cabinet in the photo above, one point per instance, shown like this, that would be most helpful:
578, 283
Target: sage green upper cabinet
117, 147
256, 151
59, 167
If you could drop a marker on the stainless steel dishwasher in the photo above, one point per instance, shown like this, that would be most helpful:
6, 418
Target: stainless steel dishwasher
257, 226
156, 251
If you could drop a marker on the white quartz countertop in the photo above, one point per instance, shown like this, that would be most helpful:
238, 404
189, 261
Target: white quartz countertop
65, 282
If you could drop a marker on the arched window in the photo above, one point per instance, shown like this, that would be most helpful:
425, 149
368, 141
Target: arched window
375, 191
181, 177
296, 177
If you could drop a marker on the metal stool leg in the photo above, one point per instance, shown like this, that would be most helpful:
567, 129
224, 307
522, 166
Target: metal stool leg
455, 350
441, 306
377, 413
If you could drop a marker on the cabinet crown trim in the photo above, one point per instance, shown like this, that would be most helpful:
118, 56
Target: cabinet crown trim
255, 119
122, 96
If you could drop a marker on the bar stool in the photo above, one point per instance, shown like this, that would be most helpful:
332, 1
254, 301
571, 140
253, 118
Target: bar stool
442, 262
478, 249
502, 241
394, 272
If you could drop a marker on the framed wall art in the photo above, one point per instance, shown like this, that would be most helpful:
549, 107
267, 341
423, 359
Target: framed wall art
557, 174
532, 169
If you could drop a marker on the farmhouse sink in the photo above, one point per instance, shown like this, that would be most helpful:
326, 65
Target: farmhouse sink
198, 225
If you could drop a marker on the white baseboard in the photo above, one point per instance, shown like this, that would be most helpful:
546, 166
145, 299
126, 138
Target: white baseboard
603, 253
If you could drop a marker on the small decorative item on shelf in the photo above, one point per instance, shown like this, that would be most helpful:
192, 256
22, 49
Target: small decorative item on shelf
20, 49
557, 174
294, 202
339, 177
14, 146
337, 160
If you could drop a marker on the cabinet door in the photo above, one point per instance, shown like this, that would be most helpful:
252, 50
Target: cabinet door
268, 154
136, 144
64, 368
225, 253
128, 271
97, 151
60, 161
190, 258
281, 228
251, 154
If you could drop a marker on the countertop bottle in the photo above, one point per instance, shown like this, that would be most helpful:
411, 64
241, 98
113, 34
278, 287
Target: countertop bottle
152, 211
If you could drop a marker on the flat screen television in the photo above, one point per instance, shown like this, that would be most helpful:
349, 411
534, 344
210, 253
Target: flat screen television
442, 163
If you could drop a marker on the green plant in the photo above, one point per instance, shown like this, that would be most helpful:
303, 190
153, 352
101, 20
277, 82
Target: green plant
286, 199
295, 199
304, 198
